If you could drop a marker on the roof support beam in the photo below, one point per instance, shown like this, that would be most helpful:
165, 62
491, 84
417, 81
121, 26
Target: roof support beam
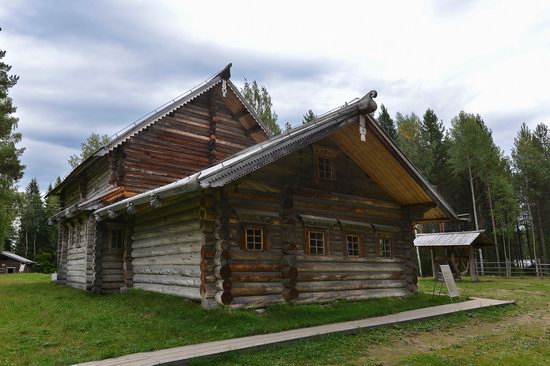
237, 116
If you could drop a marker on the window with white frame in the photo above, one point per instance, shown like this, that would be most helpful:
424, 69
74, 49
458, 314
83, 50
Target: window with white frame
316, 241
352, 244
385, 247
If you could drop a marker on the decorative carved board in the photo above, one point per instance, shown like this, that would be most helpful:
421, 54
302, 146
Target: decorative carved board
449, 281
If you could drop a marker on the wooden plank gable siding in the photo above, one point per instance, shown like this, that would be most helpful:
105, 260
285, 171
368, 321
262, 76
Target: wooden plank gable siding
189, 139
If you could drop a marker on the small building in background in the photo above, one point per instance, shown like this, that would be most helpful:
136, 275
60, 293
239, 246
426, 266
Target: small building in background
13, 263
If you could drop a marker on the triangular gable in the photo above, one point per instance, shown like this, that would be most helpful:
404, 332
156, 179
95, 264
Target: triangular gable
340, 124
243, 112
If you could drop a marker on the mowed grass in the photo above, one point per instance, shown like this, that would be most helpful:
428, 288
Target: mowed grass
490, 336
46, 324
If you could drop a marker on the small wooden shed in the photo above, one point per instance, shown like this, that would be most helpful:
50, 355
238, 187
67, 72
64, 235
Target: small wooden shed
455, 249
13, 263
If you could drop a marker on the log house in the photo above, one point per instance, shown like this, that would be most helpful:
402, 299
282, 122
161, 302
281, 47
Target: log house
198, 200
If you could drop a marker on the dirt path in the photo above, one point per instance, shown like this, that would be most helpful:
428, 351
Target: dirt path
422, 342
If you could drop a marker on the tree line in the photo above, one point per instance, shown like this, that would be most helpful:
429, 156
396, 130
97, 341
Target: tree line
509, 196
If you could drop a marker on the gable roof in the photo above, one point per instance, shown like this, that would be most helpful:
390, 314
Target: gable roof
141, 124
453, 239
17, 257
262, 154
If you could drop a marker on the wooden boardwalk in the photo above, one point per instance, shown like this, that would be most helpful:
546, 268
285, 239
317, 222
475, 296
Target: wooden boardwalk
180, 355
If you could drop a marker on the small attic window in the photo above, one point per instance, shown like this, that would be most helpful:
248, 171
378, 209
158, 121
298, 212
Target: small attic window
325, 168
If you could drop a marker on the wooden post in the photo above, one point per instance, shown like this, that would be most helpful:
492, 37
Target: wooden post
97, 265
434, 265
222, 270
208, 286
127, 257
289, 246
472, 259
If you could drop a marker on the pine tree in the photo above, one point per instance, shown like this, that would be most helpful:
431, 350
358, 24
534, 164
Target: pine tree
434, 150
308, 117
387, 123
260, 100
93, 143
11, 169
532, 168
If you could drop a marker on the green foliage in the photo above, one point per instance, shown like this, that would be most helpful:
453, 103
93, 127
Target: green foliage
308, 117
531, 164
472, 145
11, 169
37, 240
409, 136
387, 123
434, 150
288, 126
260, 100
93, 143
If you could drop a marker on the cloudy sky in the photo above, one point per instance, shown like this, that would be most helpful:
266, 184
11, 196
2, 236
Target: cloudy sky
96, 66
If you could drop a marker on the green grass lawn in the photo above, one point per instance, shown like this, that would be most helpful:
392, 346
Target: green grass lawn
46, 324
509, 335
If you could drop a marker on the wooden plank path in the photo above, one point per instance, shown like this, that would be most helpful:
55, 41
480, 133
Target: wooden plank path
180, 355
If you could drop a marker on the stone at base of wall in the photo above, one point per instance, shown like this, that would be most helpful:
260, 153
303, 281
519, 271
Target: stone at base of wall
124, 290
54, 277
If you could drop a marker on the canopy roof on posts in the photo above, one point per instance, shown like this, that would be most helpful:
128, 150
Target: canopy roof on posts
372, 150
454, 239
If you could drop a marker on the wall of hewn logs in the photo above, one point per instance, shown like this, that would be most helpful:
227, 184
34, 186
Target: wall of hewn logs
166, 246
187, 140
285, 199
77, 243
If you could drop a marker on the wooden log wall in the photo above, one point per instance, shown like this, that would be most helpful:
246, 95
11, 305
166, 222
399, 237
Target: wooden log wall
112, 265
62, 252
208, 279
127, 268
257, 276
97, 178
90, 239
77, 252
284, 271
183, 142
166, 250
98, 244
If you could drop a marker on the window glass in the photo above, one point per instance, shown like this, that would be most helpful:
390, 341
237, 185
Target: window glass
352, 245
324, 168
254, 239
116, 238
316, 243
384, 247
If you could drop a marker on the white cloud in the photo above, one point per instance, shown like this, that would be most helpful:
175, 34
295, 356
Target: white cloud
114, 61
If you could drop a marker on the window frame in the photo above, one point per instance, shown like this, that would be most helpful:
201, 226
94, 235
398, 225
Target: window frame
330, 161
263, 231
325, 234
110, 231
360, 245
390, 239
